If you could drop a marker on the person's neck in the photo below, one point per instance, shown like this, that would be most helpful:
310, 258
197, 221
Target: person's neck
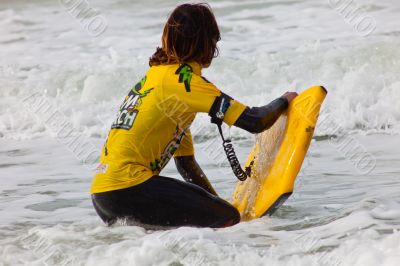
196, 67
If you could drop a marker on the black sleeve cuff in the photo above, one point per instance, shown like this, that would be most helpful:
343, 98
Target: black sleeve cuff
258, 119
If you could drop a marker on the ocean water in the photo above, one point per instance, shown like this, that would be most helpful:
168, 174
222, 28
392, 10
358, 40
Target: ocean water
64, 69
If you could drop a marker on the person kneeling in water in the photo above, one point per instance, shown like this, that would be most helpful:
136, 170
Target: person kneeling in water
153, 125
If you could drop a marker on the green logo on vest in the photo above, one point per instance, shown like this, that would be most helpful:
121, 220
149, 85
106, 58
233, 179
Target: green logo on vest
185, 75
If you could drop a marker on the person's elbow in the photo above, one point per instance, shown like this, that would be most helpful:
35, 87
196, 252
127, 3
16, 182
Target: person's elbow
179, 164
257, 128
254, 126
258, 119
183, 163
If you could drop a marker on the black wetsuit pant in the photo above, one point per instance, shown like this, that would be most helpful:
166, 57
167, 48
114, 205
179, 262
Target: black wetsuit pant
164, 201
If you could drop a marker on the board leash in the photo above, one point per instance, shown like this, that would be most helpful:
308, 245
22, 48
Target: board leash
217, 113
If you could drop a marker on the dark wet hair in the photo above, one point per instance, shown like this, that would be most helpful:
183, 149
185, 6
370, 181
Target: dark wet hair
190, 34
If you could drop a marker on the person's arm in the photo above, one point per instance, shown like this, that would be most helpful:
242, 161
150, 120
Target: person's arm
258, 119
192, 173
187, 165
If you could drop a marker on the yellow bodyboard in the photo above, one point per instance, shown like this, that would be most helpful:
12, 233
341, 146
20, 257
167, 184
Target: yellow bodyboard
277, 156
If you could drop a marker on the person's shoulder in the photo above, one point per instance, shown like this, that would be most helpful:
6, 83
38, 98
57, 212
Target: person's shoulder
159, 73
163, 68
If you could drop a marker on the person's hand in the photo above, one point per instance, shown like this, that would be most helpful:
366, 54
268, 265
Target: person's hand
289, 96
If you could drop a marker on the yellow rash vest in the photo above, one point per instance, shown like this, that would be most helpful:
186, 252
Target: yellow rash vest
152, 125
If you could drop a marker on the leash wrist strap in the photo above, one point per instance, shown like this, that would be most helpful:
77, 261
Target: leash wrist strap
217, 113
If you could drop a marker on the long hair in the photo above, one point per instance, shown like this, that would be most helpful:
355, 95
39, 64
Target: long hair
190, 34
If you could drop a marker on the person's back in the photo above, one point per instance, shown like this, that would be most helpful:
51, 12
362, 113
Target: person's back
153, 121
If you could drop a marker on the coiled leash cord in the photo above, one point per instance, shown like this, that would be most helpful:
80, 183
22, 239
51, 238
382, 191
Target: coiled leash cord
232, 158
217, 113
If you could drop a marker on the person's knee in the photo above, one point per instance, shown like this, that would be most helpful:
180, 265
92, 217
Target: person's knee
230, 216
235, 216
